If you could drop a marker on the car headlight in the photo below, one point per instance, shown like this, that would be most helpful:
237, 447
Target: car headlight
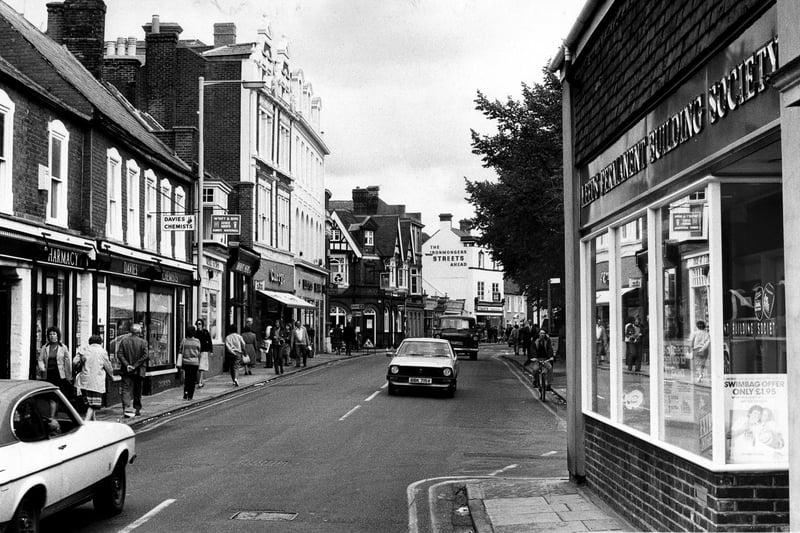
394, 369
437, 336
474, 337
447, 372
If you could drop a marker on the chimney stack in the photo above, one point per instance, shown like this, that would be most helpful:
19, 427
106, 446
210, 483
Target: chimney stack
365, 201
161, 70
445, 222
224, 34
80, 26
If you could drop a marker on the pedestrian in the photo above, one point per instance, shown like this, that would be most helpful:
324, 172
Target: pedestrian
250, 349
601, 340
299, 344
206, 347
93, 365
699, 343
234, 350
54, 363
189, 361
266, 344
311, 333
276, 346
132, 354
286, 346
349, 337
525, 339
514, 338
633, 345
337, 336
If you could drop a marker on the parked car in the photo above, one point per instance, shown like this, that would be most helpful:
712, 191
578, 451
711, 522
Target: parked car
424, 363
462, 332
52, 460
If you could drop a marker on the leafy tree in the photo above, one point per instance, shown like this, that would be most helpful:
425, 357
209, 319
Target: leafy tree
520, 216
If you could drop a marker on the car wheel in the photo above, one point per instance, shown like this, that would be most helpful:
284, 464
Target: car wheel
109, 497
392, 390
451, 391
473, 356
26, 518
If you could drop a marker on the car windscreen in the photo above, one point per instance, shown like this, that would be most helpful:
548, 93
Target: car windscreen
423, 349
455, 323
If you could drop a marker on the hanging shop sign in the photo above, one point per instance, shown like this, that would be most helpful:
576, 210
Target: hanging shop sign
226, 224
177, 223
739, 84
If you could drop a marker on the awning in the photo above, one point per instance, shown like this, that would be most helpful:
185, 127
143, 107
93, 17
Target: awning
287, 299
601, 297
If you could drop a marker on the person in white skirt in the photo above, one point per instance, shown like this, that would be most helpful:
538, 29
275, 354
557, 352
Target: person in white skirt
206, 347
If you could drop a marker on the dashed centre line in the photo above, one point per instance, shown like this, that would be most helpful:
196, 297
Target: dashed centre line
350, 412
373, 395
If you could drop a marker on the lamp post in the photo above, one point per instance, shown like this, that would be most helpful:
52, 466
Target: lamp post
201, 85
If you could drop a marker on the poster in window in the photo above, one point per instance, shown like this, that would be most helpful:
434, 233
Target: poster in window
756, 418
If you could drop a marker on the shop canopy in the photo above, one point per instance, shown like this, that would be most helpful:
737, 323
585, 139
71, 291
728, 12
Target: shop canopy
601, 297
287, 299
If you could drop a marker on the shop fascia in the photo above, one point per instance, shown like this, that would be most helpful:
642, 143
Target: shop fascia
739, 85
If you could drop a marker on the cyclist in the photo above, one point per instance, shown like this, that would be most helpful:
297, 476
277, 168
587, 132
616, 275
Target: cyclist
543, 350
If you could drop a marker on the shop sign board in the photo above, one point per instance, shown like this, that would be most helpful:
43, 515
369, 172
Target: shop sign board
177, 223
226, 224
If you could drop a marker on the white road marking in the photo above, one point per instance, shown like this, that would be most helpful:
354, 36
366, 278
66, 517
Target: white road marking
373, 395
548, 453
385, 385
350, 412
154, 511
509, 467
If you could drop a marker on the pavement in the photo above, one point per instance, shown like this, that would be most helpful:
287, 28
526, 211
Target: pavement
489, 504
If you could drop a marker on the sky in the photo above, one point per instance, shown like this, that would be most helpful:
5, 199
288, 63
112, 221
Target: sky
397, 78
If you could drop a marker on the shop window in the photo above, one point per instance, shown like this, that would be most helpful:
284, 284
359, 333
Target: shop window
686, 386
634, 336
52, 304
6, 152
600, 362
113, 194
753, 336
160, 329
57, 197
120, 317
133, 235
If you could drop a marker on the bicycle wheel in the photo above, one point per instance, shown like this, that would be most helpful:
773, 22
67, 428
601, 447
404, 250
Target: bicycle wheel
543, 386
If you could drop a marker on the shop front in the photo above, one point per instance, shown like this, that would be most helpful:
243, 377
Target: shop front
276, 278
243, 263
681, 301
47, 272
489, 317
311, 288
131, 288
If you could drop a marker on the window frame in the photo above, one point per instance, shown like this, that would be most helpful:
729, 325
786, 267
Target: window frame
167, 206
150, 211
58, 131
133, 233
7, 108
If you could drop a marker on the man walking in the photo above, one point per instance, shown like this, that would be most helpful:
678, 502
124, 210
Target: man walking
132, 356
299, 343
349, 336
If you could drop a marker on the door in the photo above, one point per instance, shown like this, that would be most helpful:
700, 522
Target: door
5, 333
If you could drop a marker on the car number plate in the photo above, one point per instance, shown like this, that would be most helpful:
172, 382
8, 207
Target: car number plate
421, 381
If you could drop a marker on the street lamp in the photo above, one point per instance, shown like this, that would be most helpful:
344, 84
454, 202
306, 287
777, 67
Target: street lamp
201, 85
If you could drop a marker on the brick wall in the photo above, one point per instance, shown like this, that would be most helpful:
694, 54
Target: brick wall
244, 198
641, 52
80, 25
659, 491
161, 64
223, 122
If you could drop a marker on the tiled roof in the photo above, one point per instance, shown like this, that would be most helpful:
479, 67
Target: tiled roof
230, 50
69, 81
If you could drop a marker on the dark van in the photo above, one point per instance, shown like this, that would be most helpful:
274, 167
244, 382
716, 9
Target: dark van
462, 332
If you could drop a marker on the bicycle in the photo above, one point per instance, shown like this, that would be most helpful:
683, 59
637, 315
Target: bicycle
539, 377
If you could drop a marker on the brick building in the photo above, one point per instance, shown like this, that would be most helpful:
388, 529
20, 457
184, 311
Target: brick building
83, 181
679, 167
376, 268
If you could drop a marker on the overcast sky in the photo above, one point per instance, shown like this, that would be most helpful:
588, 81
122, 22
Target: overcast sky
397, 78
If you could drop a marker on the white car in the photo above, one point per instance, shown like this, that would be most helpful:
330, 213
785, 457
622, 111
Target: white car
425, 363
50, 459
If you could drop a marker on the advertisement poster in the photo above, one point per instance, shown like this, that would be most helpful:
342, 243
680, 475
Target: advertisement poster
756, 418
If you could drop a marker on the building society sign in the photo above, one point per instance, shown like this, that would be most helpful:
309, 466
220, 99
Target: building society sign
177, 223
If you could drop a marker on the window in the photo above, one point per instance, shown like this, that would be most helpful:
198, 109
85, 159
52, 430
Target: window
43, 416
150, 211
262, 215
339, 271
113, 194
415, 281
57, 197
369, 237
166, 208
496, 292
265, 123
282, 221
336, 235
133, 235
480, 260
6, 152
208, 195
180, 236
481, 290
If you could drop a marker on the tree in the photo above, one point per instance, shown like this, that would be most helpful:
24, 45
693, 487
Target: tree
520, 216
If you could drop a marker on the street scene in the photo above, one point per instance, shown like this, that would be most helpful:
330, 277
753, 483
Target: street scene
412, 265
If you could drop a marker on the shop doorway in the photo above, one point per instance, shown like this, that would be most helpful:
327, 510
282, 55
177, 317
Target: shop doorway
5, 333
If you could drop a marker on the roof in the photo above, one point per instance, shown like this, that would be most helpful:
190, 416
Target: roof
237, 49
73, 85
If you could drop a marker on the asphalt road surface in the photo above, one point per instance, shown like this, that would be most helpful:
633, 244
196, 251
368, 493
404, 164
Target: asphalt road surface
329, 450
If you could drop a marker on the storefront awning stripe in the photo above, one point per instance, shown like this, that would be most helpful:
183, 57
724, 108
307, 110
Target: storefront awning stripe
289, 300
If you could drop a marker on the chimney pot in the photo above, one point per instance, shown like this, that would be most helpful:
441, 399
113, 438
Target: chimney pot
120, 46
131, 46
156, 24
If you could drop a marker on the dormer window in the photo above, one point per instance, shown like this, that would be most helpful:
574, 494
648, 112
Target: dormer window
369, 237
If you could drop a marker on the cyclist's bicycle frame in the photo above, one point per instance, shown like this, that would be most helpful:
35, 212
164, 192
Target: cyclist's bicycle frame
540, 377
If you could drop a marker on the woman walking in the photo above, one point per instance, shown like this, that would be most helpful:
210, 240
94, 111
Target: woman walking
250, 349
90, 382
276, 347
189, 362
234, 350
206, 347
54, 363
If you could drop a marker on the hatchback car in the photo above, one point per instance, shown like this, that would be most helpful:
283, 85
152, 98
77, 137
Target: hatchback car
423, 363
462, 332
53, 460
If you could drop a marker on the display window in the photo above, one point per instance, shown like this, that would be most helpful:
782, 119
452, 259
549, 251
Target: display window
686, 345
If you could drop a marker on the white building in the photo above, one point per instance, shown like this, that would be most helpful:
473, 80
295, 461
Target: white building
454, 265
